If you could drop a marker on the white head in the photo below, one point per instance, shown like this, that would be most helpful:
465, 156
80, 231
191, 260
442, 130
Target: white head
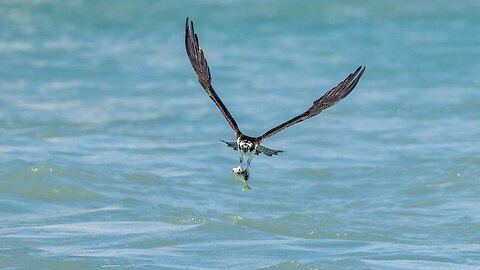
246, 146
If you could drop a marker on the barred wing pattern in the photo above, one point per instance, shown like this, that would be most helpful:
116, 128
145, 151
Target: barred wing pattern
200, 65
233, 145
267, 151
260, 149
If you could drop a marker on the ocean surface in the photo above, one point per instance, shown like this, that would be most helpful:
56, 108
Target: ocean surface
110, 155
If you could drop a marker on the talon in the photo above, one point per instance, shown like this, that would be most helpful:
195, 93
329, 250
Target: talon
246, 175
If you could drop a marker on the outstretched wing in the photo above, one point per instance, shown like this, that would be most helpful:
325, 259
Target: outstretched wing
267, 151
233, 145
260, 149
330, 98
200, 65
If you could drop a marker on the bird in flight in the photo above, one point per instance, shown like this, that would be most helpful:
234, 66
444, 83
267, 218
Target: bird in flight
246, 145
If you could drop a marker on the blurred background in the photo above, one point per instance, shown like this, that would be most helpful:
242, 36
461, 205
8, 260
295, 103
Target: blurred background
110, 154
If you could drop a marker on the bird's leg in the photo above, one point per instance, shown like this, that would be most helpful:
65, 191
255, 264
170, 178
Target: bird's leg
250, 157
246, 173
238, 170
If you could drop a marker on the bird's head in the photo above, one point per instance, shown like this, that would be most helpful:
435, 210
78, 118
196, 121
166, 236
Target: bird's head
246, 146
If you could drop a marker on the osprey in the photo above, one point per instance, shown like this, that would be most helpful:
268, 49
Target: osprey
246, 145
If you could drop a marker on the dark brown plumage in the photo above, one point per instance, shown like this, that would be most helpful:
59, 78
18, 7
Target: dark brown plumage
200, 65
328, 99
251, 145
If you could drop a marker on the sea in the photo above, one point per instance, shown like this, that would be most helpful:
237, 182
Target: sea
110, 151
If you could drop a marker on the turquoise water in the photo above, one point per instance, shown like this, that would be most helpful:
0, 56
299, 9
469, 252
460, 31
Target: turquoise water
110, 154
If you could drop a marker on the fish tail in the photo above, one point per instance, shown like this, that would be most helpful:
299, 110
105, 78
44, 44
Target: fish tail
245, 185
